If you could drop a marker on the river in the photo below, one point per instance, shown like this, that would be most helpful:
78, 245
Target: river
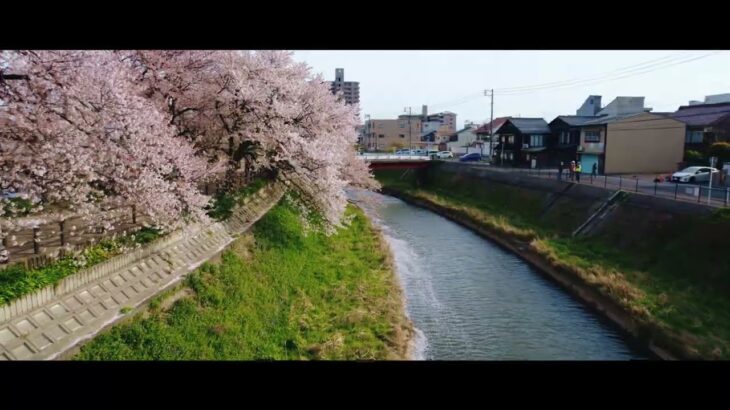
471, 300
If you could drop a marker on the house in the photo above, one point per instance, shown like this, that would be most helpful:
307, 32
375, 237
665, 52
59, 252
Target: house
705, 124
523, 142
429, 140
593, 132
566, 129
461, 141
485, 130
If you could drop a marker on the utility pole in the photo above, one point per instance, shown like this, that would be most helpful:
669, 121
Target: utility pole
490, 93
713, 161
410, 133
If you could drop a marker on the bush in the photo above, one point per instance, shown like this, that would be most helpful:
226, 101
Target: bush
720, 150
691, 155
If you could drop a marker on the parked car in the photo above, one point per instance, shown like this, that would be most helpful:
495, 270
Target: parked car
474, 156
695, 174
445, 154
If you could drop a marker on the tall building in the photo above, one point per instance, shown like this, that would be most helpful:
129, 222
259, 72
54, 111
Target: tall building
350, 89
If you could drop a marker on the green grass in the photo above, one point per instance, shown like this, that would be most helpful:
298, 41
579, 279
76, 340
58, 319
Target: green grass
675, 273
224, 203
17, 280
283, 295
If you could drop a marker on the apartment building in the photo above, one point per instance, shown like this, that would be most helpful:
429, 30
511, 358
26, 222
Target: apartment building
349, 90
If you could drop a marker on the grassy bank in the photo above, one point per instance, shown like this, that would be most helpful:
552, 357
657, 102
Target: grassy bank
673, 278
277, 294
17, 280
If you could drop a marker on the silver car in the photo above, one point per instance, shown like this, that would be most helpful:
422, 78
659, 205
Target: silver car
695, 174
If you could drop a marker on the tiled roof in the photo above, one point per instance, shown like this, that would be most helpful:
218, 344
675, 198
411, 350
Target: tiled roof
530, 125
704, 114
575, 120
484, 129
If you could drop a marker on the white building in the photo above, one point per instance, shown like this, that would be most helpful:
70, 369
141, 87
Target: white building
466, 140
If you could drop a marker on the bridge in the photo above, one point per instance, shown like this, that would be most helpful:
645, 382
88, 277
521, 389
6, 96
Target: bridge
391, 161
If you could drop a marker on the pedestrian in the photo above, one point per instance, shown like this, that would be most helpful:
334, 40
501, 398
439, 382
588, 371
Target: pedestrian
572, 170
595, 170
578, 170
560, 170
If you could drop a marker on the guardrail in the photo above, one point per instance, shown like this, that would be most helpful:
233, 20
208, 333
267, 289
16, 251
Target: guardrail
712, 196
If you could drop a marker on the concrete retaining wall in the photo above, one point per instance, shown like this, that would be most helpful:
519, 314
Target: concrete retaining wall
250, 209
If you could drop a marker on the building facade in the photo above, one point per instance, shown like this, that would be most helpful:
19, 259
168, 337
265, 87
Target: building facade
389, 135
643, 143
348, 90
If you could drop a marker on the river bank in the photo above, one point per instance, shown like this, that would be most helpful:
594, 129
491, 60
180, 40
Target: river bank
280, 293
669, 312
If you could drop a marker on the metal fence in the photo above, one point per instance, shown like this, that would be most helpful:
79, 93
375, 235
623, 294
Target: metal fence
712, 196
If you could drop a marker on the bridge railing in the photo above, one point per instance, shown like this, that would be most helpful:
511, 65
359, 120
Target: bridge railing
395, 157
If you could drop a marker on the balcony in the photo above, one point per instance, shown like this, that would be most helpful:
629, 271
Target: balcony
591, 148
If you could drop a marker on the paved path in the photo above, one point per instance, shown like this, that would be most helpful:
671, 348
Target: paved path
54, 320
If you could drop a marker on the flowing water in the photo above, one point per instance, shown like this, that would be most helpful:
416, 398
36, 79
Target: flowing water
471, 300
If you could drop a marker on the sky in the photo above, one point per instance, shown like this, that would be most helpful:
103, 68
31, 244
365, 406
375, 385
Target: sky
526, 83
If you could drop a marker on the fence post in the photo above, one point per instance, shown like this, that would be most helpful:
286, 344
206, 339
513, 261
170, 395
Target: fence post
637, 184
35, 242
699, 194
134, 214
727, 195
63, 239
655, 184
676, 189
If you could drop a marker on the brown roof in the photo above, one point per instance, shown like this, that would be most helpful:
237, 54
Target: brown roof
496, 123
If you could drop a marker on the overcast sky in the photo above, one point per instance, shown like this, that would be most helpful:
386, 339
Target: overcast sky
455, 80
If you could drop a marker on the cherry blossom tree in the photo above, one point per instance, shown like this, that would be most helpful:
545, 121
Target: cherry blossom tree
80, 133
87, 128
230, 104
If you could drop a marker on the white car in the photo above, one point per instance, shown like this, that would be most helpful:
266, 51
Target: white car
695, 174
445, 154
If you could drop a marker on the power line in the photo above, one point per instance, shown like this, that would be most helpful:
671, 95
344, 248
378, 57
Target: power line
632, 73
646, 63
620, 73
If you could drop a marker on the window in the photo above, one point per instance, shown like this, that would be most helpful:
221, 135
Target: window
564, 138
402, 135
536, 140
402, 125
593, 136
381, 136
511, 139
694, 137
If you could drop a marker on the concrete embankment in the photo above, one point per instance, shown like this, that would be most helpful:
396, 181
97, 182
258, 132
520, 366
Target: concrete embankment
657, 293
